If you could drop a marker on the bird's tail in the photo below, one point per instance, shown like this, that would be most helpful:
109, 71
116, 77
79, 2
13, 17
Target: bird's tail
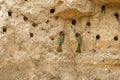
78, 49
59, 48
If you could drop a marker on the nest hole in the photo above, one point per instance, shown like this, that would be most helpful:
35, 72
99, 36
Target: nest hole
88, 23
52, 10
73, 22
97, 37
88, 32
4, 30
103, 8
52, 38
9, 13
31, 34
116, 38
25, 18
34, 24
116, 15
47, 21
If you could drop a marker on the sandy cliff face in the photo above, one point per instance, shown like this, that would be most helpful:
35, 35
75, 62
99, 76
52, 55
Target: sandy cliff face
29, 36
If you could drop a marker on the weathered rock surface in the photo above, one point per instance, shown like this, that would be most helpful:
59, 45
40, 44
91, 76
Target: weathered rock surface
29, 33
98, 2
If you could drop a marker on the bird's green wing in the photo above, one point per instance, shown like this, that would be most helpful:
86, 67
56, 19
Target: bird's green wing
60, 41
79, 40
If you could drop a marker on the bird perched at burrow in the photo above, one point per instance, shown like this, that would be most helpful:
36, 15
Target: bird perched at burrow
60, 41
79, 42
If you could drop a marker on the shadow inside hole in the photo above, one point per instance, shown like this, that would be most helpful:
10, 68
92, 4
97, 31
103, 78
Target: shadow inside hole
4, 30
52, 38
31, 34
9, 13
73, 22
34, 24
97, 37
103, 9
25, 18
52, 10
47, 21
88, 23
116, 15
25, 0
116, 38
88, 32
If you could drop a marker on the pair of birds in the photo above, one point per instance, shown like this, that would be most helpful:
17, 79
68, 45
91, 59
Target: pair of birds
61, 40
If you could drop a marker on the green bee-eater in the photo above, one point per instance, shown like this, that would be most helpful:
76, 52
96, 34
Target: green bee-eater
79, 42
60, 41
